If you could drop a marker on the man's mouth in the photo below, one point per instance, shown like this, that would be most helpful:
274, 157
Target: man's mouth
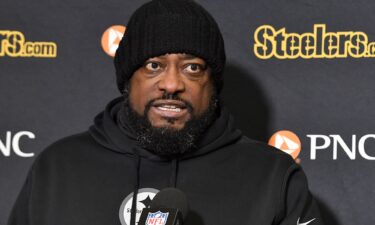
169, 108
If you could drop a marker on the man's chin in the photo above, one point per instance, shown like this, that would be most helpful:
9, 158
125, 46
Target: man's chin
166, 137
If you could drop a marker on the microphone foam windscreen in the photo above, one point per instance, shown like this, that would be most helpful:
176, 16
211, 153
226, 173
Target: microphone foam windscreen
171, 198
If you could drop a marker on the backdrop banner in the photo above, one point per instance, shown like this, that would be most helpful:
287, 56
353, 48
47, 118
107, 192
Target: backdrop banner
300, 76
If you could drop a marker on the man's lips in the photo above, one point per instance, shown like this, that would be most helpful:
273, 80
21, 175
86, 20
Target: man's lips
169, 108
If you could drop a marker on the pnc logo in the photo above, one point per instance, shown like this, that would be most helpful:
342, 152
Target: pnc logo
357, 147
286, 141
111, 39
11, 144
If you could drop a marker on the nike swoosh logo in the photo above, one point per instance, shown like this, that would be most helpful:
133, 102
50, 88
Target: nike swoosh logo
305, 222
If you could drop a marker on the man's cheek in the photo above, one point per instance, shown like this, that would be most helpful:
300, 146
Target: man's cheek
135, 107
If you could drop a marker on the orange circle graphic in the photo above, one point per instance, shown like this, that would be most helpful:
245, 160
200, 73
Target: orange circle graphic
111, 39
286, 141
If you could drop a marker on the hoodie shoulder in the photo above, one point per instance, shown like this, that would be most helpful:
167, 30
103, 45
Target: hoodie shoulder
69, 148
261, 146
69, 143
263, 154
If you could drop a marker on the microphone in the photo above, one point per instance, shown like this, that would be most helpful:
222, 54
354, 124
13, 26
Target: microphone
168, 207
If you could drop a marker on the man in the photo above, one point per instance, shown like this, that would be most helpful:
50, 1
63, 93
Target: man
167, 130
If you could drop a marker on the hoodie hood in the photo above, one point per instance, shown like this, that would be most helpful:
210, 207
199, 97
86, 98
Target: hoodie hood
107, 132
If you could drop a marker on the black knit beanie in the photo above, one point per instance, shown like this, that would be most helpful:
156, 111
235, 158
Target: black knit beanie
170, 26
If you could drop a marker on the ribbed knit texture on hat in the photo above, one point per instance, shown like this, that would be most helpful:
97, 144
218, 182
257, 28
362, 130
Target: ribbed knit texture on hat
169, 26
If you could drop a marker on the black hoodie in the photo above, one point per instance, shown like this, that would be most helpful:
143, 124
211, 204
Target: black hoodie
90, 178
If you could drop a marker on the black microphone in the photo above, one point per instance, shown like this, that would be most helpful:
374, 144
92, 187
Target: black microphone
168, 207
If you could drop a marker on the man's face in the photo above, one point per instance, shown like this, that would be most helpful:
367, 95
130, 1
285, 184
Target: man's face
171, 89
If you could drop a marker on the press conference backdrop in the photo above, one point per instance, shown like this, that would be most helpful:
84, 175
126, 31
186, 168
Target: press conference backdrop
301, 72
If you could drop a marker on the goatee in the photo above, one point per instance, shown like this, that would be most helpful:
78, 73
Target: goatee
167, 141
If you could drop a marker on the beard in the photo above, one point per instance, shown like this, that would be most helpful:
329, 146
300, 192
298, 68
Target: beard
167, 141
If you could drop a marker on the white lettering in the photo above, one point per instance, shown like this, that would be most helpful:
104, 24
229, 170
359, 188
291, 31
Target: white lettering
16, 141
337, 140
6, 148
314, 146
361, 146
14, 144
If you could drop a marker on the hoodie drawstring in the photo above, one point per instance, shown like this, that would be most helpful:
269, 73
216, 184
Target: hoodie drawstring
172, 183
135, 192
173, 178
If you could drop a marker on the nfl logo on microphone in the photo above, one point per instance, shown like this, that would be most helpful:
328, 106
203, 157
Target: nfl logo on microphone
157, 218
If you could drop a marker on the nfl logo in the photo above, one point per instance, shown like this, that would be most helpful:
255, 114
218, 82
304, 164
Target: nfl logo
157, 218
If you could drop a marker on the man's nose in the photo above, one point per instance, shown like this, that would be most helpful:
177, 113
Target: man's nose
171, 81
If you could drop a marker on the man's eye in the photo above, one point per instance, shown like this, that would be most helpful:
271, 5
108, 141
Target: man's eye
153, 66
194, 68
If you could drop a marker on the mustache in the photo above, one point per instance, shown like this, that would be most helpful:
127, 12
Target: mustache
169, 96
